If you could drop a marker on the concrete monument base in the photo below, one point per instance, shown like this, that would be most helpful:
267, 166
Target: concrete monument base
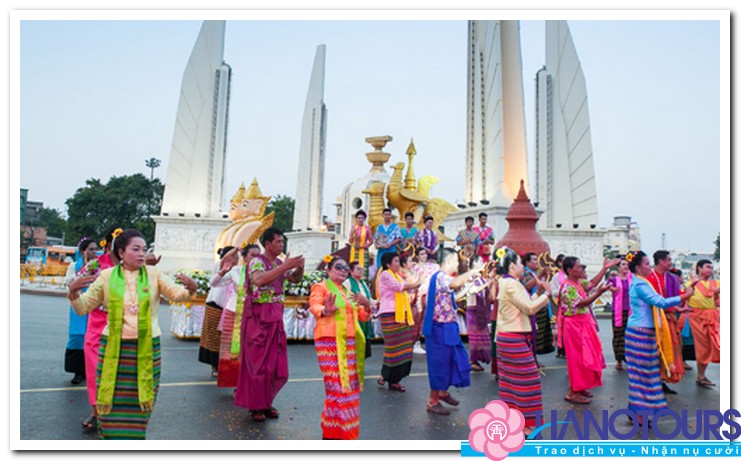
585, 244
187, 242
312, 245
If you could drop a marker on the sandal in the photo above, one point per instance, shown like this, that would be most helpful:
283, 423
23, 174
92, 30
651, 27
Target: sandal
449, 400
438, 409
576, 398
586, 394
687, 366
397, 387
381, 382
90, 423
619, 367
476, 367
258, 416
704, 382
271, 413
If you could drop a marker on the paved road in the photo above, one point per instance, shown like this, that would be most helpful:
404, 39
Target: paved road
191, 407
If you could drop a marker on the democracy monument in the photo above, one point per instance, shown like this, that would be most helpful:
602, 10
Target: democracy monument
193, 225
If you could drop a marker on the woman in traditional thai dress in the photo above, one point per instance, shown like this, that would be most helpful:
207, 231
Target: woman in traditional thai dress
447, 360
425, 267
584, 358
216, 301
642, 344
478, 312
228, 283
340, 349
74, 355
704, 318
360, 238
356, 284
518, 375
129, 357
97, 320
395, 312
620, 311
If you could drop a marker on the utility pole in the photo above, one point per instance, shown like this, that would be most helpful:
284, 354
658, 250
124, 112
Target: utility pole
152, 163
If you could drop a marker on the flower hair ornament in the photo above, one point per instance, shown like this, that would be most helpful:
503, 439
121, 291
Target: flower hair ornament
103, 243
328, 259
79, 242
244, 245
500, 253
629, 257
116, 233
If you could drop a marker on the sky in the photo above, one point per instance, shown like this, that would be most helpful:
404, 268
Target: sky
98, 98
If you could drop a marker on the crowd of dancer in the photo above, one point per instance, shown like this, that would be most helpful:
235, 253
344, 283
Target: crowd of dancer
514, 310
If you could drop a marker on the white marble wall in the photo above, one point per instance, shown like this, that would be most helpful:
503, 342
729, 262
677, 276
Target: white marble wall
187, 242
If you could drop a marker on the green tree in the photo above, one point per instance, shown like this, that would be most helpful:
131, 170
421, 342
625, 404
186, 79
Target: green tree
717, 248
125, 201
55, 224
282, 205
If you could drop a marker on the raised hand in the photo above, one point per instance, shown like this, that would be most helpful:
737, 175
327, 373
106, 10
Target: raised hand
80, 283
329, 304
361, 300
608, 263
228, 261
187, 282
152, 259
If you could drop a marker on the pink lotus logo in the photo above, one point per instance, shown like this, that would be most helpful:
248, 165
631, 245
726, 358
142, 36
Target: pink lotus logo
496, 430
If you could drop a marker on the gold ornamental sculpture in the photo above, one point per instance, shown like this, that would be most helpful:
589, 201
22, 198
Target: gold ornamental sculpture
411, 195
247, 211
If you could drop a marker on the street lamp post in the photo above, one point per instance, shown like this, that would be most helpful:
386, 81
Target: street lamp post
152, 163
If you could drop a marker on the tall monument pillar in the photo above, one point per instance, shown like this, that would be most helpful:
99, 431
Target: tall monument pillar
195, 170
191, 218
307, 212
496, 156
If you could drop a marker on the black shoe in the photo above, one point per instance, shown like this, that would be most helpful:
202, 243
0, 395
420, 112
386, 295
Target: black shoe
667, 389
77, 379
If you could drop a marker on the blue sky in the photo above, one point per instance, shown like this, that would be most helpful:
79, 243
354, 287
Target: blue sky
99, 97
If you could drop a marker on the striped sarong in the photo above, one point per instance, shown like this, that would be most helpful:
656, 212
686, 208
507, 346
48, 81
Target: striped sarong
644, 379
208, 350
494, 347
544, 335
341, 412
519, 379
127, 420
479, 339
618, 338
228, 363
397, 349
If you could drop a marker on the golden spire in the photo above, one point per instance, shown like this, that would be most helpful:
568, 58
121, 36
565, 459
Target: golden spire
238, 196
410, 183
254, 191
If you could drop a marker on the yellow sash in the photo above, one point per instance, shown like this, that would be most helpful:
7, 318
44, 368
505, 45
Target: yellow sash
360, 251
403, 306
663, 337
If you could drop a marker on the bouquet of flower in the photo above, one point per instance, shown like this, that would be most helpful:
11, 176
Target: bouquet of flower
90, 269
200, 277
303, 288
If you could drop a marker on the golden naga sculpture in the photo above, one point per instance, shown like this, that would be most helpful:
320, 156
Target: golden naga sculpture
247, 211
